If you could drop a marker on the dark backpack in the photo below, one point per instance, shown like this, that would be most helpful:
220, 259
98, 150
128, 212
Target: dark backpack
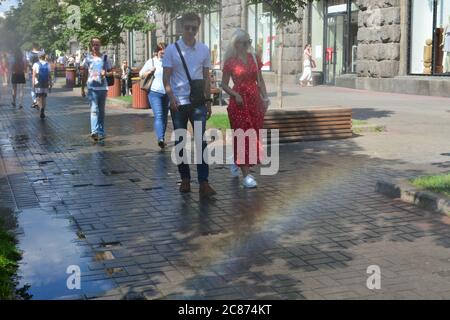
43, 75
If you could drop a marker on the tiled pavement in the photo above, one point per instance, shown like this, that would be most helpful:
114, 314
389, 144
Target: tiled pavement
309, 232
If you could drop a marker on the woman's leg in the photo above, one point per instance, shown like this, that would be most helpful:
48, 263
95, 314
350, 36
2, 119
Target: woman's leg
245, 170
20, 94
156, 101
14, 94
165, 104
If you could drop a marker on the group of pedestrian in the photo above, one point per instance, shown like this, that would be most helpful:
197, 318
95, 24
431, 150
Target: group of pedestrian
14, 68
177, 80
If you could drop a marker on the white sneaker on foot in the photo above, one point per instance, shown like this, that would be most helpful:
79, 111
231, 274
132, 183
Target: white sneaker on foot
249, 182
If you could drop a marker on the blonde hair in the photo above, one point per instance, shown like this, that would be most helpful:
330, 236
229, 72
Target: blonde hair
238, 35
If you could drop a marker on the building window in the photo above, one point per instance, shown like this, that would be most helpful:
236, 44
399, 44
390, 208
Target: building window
316, 33
429, 51
211, 36
333, 29
175, 30
262, 29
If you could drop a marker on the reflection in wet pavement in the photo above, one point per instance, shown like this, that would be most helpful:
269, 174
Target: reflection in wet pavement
49, 247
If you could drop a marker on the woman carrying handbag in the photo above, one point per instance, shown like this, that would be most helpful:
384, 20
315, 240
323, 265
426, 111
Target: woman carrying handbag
308, 64
151, 81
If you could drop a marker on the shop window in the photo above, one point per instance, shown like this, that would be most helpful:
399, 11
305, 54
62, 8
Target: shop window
429, 37
211, 36
262, 29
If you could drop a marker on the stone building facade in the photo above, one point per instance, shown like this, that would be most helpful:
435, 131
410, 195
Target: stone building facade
365, 44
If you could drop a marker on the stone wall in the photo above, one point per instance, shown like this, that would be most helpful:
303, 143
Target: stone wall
379, 38
292, 51
230, 20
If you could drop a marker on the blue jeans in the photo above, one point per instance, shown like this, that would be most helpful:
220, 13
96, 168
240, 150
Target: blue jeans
33, 94
180, 120
160, 107
97, 101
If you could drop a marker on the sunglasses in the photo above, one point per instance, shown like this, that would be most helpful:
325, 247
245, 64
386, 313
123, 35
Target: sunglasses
191, 28
246, 43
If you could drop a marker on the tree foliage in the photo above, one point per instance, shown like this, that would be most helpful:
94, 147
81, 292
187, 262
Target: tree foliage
38, 21
107, 19
285, 11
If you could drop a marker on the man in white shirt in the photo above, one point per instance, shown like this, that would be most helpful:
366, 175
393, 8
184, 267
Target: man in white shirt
41, 82
33, 57
178, 88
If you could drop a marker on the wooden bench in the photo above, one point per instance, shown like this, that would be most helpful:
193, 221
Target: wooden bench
320, 123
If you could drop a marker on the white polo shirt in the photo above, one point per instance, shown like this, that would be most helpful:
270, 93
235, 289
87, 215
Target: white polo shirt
196, 57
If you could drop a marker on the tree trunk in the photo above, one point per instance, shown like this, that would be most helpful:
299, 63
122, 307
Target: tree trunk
280, 67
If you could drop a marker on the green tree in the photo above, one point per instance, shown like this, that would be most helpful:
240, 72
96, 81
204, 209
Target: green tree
171, 10
285, 13
38, 21
107, 19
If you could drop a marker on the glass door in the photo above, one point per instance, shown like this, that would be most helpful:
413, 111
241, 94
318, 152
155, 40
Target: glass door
335, 48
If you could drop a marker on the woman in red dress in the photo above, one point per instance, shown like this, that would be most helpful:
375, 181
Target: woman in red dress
248, 101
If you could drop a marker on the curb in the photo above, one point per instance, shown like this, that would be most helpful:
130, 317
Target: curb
407, 193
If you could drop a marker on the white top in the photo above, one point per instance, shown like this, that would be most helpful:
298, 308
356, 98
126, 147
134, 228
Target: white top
94, 65
157, 84
36, 69
196, 57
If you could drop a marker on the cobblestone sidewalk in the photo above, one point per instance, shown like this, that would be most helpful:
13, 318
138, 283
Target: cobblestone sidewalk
309, 232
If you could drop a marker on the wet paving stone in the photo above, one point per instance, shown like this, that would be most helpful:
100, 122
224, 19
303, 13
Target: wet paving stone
114, 209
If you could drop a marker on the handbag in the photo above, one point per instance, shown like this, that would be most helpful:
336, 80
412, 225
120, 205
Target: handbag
147, 82
109, 79
265, 100
313, 63
197, 94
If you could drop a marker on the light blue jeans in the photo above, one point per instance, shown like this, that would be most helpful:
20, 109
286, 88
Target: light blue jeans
33, 94
97, 101
160, 106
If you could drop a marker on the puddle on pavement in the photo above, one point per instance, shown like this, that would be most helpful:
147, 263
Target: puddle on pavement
49, 246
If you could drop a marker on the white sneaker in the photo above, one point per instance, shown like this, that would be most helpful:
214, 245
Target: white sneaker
249, 182
234, 170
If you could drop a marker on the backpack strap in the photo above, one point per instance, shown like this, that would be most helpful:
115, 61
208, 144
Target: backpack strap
184, 62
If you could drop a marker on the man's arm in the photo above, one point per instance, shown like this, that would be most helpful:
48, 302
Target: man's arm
167, 73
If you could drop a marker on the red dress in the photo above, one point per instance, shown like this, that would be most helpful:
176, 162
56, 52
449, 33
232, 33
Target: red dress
250, 115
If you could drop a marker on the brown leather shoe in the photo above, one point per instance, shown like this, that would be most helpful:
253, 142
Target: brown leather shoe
185, 186
206, 190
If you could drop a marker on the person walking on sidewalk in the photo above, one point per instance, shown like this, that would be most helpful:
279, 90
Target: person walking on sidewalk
157, 96
308, 65
4, 68
96, 67
186, 66
33, 58
248, 99
41, 82
125, 77
18, 69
